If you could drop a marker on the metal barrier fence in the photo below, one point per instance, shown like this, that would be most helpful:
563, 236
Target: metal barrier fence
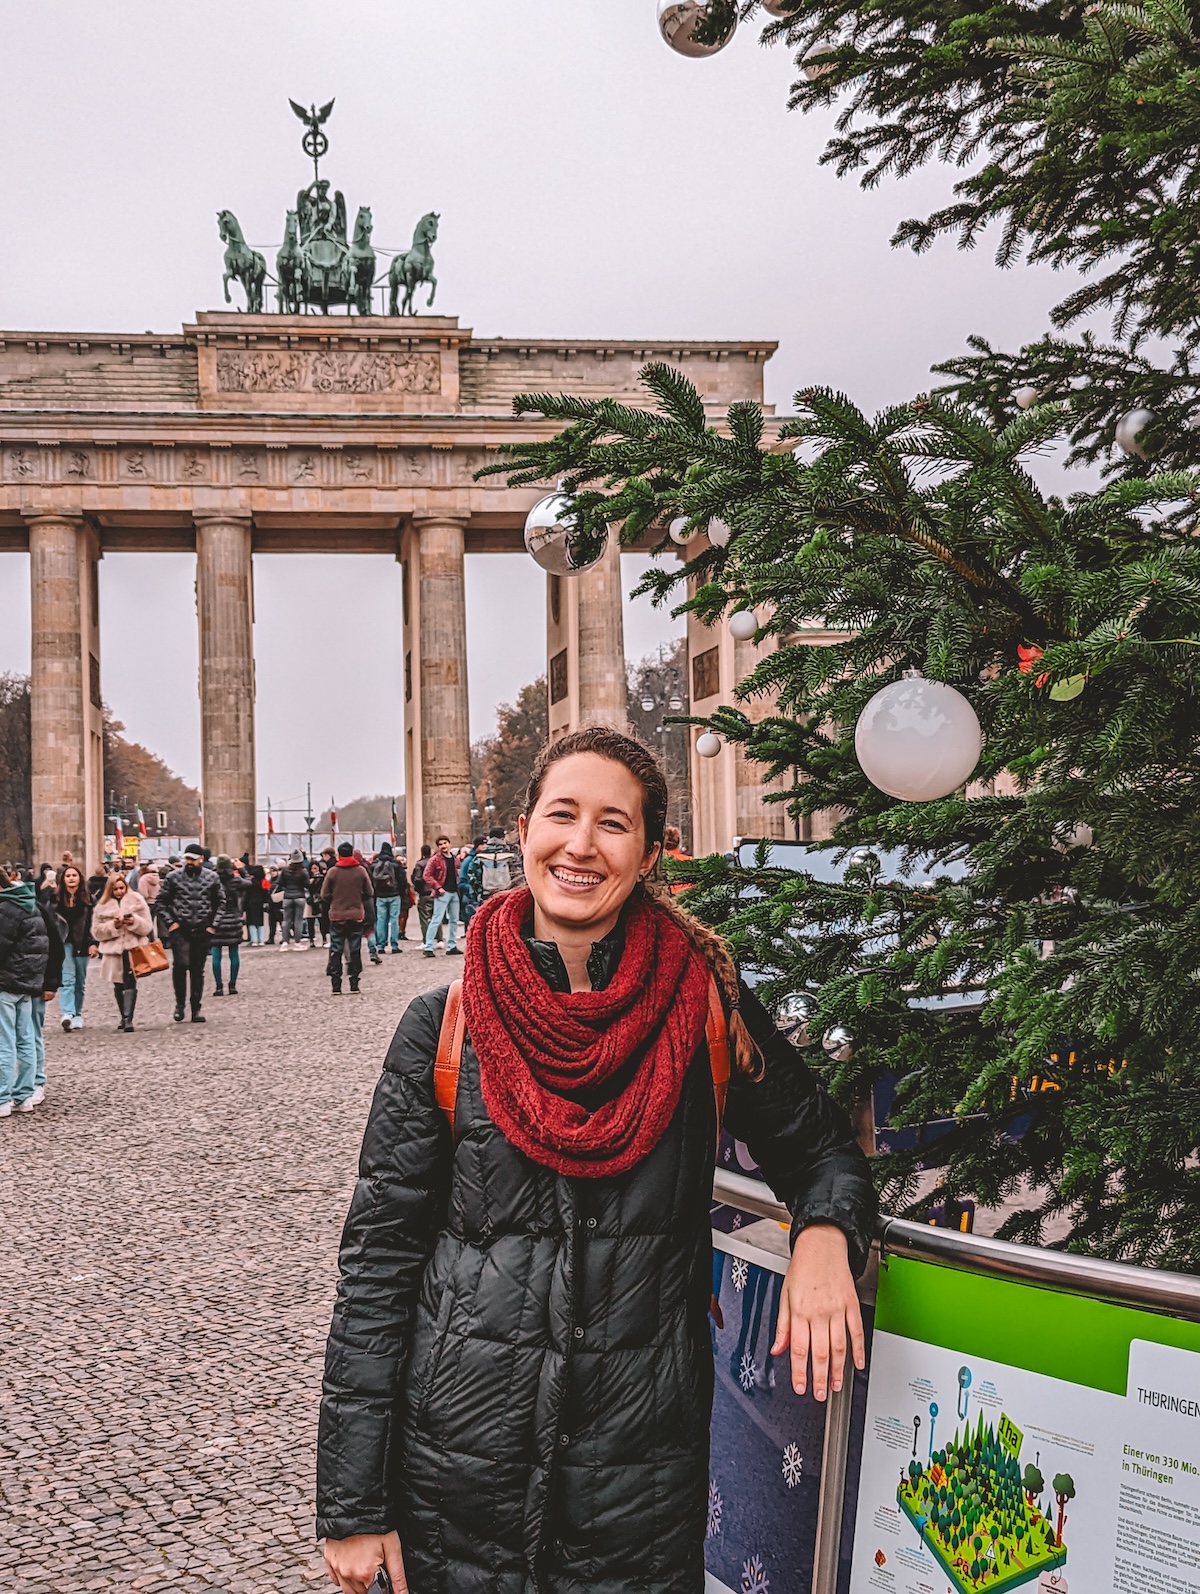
1099, 1330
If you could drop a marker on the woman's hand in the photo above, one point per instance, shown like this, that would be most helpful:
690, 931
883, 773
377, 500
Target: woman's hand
818, 1309
93, 950
354, 1563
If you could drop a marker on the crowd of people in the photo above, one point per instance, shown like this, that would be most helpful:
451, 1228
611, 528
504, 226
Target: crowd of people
204, 911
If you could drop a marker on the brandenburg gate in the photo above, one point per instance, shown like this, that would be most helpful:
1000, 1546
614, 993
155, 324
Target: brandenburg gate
253, 434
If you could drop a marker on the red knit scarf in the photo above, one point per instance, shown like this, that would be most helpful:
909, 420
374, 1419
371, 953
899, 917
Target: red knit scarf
540, 1050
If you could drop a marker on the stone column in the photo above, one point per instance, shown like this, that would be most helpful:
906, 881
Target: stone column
585, 647
225, 608
66, 721
602, 688
444, 730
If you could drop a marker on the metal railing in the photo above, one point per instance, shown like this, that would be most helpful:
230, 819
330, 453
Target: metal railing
1175, 1294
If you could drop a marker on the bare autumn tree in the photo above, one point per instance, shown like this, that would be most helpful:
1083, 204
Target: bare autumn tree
660, 679
16, 808
500, 763
138, 778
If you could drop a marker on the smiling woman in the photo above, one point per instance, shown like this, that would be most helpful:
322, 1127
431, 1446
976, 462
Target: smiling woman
519, 1373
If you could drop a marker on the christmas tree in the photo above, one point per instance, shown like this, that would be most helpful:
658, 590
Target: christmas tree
1065, 879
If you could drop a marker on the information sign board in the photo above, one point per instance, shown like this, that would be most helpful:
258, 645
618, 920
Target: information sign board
1021, 1438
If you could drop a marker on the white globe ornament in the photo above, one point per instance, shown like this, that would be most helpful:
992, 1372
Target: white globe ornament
838, 1044
1026, 397
708, 745
743, 625
678, 530
1129, 433
719, 534
678, 21
814, 63
551, 537
917, 740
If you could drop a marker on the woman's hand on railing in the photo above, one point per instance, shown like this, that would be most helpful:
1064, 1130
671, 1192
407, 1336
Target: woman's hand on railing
354, 1563
818, 1311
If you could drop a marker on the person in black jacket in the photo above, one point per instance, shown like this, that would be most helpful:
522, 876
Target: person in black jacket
518, 1378
229, 923
189, 902
75, 910
24, 951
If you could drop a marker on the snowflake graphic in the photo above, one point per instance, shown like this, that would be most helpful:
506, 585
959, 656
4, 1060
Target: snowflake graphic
715, 1504
747, 1371
739, 1272
737, 1220
793, 1465
754, 1577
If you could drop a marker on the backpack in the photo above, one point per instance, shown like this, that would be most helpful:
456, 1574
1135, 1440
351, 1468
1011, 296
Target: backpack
383, 871
448, 1063
494, 873
418, 877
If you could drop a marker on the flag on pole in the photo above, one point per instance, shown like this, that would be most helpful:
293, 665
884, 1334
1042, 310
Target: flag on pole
119, 836
332, 823
270, 819
200, 818
393, 822
141, 823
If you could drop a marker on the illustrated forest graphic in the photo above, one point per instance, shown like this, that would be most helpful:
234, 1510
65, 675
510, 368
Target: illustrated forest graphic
981, 1515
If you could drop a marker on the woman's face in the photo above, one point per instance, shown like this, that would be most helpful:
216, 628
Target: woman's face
584, 844
72, 880
120, 886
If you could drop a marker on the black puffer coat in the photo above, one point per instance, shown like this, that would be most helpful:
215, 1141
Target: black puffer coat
519, 1372
24, 942
191, 898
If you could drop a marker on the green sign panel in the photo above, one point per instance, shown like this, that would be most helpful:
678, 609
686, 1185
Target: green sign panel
1021, 1439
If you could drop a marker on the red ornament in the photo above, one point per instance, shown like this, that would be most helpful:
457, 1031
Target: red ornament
1029, 657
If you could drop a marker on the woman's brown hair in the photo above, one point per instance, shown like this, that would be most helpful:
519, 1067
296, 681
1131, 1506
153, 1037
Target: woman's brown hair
82, 895
647, 771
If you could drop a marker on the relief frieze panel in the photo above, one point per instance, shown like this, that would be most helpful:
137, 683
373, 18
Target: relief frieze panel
327, 371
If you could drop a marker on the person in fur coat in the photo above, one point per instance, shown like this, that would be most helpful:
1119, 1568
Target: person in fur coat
120, 922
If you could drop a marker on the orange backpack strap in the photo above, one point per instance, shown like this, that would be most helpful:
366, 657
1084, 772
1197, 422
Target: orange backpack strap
449, 1052
717, 1034
448, 1062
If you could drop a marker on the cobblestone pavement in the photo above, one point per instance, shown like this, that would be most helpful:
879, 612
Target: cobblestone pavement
171, 1221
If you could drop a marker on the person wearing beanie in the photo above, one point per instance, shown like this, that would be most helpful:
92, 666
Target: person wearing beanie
347, 890
390, 884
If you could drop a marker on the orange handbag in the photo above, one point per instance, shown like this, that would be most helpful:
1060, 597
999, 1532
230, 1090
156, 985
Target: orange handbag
147, 959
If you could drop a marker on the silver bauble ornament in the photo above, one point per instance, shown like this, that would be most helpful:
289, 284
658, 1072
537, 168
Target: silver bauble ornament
551, 536
838, 1044
793, 1015
917, 739
1026, 397
719, 534
708, 745
678, 530
743, 625
678, 21
1129, 432
814, 63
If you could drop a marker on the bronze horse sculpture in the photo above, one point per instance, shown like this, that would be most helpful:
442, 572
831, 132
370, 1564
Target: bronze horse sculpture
242, 264
410, 269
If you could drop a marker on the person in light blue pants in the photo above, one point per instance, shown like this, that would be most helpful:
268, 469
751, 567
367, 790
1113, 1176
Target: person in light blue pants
71, 991
18, 1049
444, 907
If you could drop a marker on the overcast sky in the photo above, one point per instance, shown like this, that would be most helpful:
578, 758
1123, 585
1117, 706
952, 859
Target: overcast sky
591, 184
